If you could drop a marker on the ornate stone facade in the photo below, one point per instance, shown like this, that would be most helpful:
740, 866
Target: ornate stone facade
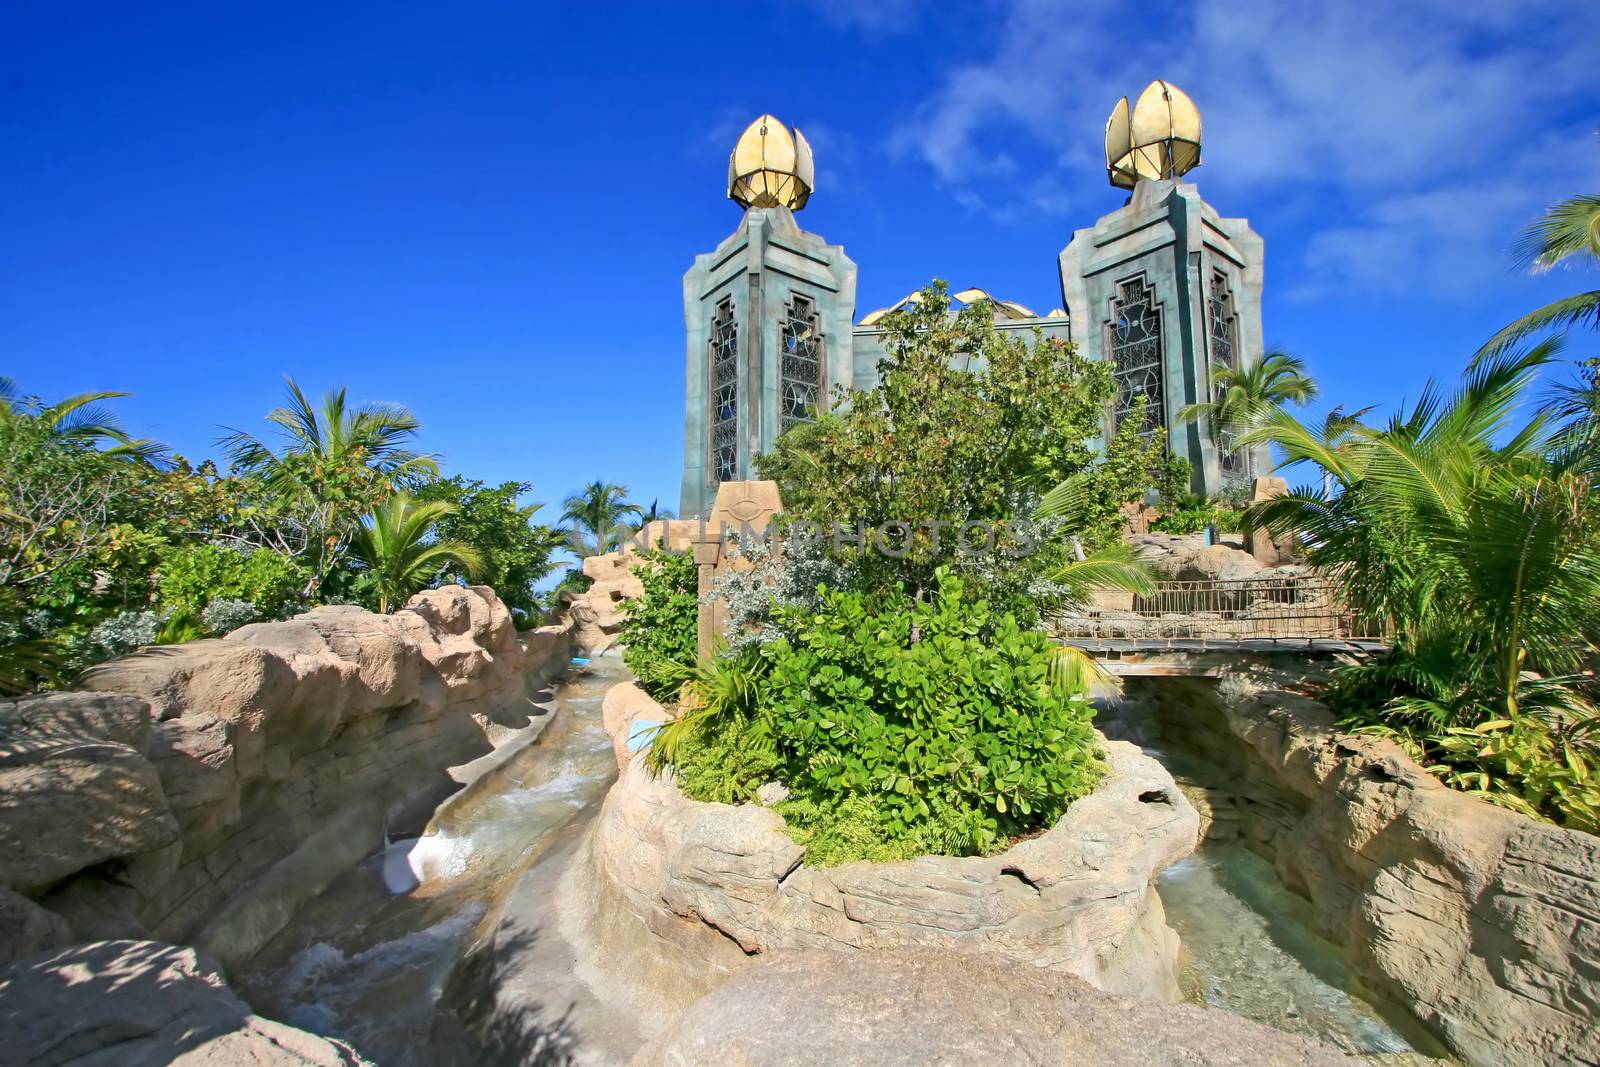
1164, 287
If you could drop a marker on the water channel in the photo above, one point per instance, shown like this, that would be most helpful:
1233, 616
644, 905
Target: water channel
375, 957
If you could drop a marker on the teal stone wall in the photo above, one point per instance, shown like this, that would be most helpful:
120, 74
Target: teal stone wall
761, 266
1178, 243
1165, 234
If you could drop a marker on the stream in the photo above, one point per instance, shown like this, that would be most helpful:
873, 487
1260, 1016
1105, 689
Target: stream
373, 958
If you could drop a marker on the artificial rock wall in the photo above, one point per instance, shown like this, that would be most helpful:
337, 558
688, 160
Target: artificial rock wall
198, 792
1482, 924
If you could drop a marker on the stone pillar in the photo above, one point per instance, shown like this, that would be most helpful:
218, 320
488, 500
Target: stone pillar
1270, 552
707, 546
739, 507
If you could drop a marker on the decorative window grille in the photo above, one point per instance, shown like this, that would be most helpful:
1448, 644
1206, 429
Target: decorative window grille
1136, 353
800, 372
724, 465
1224, 334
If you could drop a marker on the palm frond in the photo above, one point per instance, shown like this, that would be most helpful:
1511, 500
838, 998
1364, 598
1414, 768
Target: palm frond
1582, 309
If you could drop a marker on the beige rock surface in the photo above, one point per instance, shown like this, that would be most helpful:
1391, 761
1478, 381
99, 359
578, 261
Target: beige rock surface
1481, 923
142, 1004
917, 1007
598, 612
26, 928
198, 777
1077, 898
76, 788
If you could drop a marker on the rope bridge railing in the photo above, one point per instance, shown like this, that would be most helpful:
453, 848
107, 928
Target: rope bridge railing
1299, 607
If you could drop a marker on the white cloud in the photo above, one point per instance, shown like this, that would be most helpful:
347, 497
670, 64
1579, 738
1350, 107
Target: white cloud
1426, 132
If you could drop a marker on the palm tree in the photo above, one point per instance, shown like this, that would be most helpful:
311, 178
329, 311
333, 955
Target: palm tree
79, 419
334, 463
597, 516
1465, 532
654, 513
1243, 397
393, 542
1569, 230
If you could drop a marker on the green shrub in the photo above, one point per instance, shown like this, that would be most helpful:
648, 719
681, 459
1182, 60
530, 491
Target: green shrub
192, 577
660, 632
1193, 513
1543, 761
954, 742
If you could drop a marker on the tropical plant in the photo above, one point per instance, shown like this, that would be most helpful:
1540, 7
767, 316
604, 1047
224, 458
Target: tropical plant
597, 517
654, 513
396, 546
79, 419
967, 424
1569, 230
127, 631
1242, 397
1474, 540
193, 576
954, 743
334, 463
515, 550
225, 614
660, 631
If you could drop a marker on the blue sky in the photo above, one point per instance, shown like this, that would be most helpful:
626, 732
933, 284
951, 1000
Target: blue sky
484, 210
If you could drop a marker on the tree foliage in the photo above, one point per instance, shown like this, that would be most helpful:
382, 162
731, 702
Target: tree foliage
968, 423
1474, 539
333, 463
400, 552
514, 549
598, 517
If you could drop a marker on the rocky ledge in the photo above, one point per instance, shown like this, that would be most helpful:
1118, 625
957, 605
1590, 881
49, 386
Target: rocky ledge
687, 891
915, 1007
1482, 924
143, 1004
197, 792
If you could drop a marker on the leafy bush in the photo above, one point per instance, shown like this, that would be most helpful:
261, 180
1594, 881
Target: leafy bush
127, 632
224, 615
1543, 761
953, 742
774, 580
1192, 513
660, 631
192, 577
514, 549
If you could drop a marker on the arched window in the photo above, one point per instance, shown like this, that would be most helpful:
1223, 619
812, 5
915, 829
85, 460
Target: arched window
1136, 353
1224, 334
724, 458
800, 364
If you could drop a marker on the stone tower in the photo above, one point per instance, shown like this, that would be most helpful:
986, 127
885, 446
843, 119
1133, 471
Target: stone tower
1165, 287
769, 316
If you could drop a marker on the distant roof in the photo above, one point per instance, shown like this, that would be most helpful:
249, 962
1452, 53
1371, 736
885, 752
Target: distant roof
1003, 309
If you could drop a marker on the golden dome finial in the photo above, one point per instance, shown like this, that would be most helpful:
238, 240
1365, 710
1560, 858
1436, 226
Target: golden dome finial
770, 168
1158, 138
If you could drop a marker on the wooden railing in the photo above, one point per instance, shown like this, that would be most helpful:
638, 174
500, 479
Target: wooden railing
1301, 607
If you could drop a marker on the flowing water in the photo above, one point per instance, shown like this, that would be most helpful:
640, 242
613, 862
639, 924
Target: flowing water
1250, 950
370, 959
1249, 944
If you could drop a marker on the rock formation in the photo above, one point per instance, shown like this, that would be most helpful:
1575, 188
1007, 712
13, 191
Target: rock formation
1077, 898
143, 1004
199, 791
1481, 923
597, 613
915, 1007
